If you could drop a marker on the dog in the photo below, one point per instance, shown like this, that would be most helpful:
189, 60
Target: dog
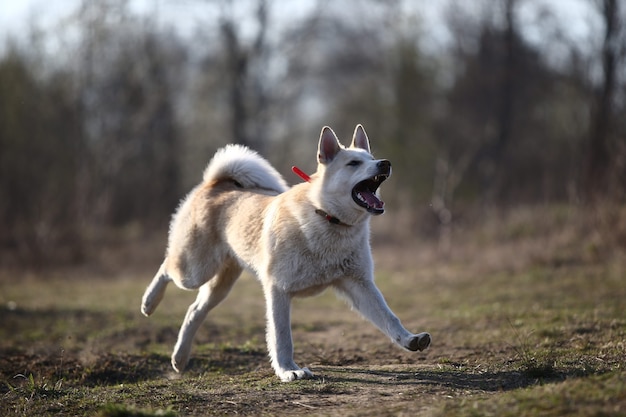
298, 241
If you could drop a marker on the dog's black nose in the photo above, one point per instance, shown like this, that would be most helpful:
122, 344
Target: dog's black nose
384, 165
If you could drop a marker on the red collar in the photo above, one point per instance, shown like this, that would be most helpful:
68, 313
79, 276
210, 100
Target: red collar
331, 219
328, 217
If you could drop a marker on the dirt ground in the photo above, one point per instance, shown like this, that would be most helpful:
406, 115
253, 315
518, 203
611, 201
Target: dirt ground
524, 326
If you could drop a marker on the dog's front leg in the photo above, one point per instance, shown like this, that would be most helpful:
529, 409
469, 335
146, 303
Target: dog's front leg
279, 342
367, 299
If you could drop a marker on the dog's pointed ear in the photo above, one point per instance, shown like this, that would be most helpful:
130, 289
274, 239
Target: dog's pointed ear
328, 147
360, 140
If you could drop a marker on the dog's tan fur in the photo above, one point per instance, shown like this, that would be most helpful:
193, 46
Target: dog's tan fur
243, 215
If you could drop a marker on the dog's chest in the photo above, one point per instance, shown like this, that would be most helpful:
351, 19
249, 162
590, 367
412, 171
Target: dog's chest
333, 264
305, 267
303, 253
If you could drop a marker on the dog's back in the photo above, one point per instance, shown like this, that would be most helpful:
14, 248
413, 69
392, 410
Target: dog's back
196, 248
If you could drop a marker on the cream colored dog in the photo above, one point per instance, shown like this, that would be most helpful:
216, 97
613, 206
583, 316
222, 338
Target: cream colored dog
298, 241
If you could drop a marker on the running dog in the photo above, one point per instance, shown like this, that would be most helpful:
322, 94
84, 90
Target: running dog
298, 241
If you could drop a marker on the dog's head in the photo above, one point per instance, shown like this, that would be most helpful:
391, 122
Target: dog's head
351, 176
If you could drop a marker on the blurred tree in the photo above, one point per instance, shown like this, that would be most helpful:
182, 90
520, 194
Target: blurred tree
128, 94
122, 117
603, 145
501, 137
235, 94
415, 100
245, 67
39, 149
88, 143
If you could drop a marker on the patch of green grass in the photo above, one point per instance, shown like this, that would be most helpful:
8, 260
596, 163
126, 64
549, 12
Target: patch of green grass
120, 410
596, 395
28, 388
535, 338
537, 363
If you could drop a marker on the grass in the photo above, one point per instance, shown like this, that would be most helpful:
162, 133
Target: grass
526, 320
117, 410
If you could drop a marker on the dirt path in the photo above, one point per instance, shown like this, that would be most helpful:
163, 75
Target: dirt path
532, 339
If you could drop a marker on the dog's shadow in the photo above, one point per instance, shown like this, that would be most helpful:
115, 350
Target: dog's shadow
439, 379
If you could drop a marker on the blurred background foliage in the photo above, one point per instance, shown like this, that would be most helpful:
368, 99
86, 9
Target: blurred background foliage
108, 115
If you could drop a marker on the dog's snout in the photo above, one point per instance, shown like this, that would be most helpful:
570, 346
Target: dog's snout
384, 165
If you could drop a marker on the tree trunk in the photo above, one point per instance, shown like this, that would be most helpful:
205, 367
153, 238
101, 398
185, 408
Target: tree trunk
598, 156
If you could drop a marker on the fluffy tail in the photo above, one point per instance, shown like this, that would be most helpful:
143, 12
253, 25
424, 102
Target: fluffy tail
246, 167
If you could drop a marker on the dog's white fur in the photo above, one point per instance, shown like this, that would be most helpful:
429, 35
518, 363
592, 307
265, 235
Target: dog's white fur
243, 215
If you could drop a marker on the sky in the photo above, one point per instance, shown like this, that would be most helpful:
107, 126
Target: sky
15, 15
574, 15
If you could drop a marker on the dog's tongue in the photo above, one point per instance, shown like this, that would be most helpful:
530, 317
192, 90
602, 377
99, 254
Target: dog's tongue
371, 200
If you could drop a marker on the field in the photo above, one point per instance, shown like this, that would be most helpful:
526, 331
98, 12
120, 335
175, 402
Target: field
526, 312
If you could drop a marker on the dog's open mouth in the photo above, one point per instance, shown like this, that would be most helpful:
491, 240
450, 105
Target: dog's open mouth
364, 194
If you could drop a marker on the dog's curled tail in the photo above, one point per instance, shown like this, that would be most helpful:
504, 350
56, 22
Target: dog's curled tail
244, 166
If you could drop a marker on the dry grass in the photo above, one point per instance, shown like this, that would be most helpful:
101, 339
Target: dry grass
525, 309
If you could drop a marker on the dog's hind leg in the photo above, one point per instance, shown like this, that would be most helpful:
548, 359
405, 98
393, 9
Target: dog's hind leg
155, 291
209, 295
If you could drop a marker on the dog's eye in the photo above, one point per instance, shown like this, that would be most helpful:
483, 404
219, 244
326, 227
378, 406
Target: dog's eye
354, 163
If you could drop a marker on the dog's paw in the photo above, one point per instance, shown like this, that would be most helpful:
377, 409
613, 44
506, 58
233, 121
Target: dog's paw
293, 375
149, 303
418, 342
154, 293
147, 308
179, 361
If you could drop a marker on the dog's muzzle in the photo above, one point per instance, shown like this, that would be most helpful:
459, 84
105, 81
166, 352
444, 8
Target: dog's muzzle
364, 193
